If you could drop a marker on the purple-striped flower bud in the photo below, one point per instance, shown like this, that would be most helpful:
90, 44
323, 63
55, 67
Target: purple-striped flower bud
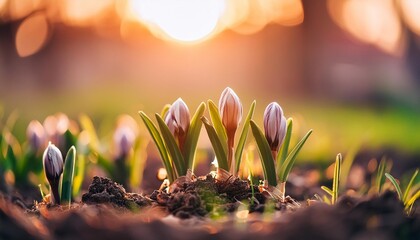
230, 108
53, 168
35, 135
178, 121
274, 125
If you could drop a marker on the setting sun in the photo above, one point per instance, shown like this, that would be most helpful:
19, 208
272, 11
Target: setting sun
182, 20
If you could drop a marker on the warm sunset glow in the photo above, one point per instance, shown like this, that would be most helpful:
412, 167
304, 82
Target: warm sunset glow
372, 21
183, 20
411, 14
81, 12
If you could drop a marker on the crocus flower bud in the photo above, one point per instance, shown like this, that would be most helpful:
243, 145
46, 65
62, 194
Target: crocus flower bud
35, 135
124, 138
274, 125
230, 108
53, 168
178, 121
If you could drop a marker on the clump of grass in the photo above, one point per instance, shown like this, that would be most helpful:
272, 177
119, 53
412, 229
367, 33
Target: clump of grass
411, 193
336, 182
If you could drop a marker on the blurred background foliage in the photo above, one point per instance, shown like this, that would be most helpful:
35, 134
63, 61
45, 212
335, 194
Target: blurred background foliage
348, 69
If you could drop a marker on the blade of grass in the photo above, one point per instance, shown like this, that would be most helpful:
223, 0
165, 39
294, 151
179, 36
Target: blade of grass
410, 184
79, 174
137, 162
267, 160
327, 190
290, 160
68, 174
380, 174
172, 146
217, 124
281, 157
413, 199
336, 179
244, 135
154, 133
217, 145
347, 164
395, 183
165, 110
193, 134
87, 124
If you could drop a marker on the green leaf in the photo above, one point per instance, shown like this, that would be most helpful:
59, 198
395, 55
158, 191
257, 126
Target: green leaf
243, 137
413, 199
172, 146
380, 174
290, 160
410, 184
217, 124
395, 183
267, 160
137, 162
281, 157
327, 190
10, 160
165, 109
68, 174
191, 140
154, 133
347, 163
88, 126
79, 174
217, 145
336, 179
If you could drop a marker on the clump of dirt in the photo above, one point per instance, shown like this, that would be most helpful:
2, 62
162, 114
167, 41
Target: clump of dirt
104, 190
205, 195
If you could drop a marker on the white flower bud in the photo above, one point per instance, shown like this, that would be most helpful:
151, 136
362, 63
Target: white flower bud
178, 121
230, 108
53, 168
274, 125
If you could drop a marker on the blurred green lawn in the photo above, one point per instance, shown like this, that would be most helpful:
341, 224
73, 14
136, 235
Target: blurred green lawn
337, 127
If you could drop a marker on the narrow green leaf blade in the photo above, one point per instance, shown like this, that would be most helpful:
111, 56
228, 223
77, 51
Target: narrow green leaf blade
87, 125
327, 190
243, 137
190, 145
380, 175
172, 146
410, 184
154, 133
336, 179
290, 160
79, 174
137, 162
281, 157
68, 174
165, 110
217, 124
395, 183
267, 160
413, 199
217, 145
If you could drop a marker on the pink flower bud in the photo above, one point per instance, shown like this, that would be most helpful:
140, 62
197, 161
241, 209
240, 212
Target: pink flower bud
230, 108
35, 135
178, 121
274, 125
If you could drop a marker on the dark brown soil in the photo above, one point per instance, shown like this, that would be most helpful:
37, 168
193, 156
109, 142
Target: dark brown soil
104, 190
380, 217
